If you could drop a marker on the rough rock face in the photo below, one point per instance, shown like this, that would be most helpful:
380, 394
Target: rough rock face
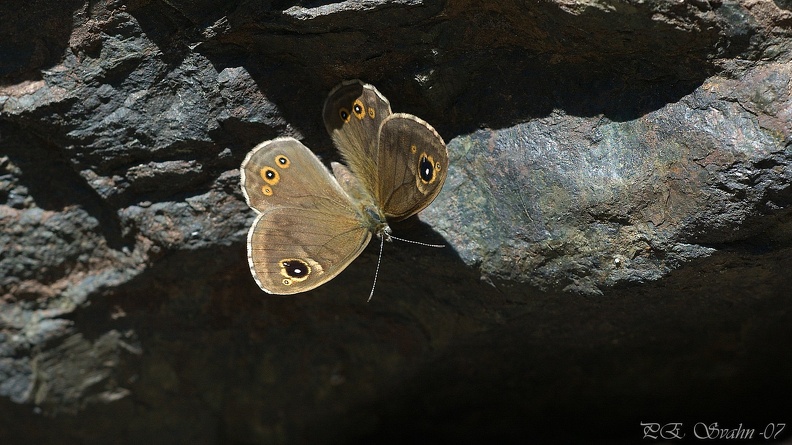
617, 220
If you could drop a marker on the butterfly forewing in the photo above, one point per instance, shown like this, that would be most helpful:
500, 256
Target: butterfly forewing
353, 113
284, 172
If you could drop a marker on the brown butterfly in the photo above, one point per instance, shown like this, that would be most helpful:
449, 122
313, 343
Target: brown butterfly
311, 224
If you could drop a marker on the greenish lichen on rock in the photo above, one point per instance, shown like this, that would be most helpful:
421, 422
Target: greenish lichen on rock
589, 200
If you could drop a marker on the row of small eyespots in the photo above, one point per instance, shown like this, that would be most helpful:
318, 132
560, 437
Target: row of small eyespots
271, 176
358, 109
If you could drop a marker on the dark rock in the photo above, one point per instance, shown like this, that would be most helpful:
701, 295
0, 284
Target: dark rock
616, 215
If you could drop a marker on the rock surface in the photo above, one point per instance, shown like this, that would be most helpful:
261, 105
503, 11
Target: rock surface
617, 216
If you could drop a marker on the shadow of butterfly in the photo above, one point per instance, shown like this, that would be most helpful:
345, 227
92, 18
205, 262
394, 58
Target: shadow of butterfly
311, 224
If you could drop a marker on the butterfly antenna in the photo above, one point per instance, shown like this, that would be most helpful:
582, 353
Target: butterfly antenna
376, 272
417, 242
379, 258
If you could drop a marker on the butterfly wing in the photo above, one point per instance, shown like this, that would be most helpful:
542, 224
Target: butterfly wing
308, 229
412, 163
398, 158
353, 113
295, 250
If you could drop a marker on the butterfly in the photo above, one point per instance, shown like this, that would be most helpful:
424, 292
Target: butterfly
312, 224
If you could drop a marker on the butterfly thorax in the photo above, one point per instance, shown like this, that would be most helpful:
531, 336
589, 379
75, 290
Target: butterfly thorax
368, 211
377, 223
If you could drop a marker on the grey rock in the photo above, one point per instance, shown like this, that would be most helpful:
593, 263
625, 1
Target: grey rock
616, 219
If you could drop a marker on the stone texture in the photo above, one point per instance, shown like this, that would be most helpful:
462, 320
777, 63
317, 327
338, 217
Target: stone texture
617, 221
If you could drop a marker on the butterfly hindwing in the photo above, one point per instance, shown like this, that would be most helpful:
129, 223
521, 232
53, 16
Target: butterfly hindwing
295, 251
412, 165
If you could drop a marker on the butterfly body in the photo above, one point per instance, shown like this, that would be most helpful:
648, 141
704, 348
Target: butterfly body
312, 224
